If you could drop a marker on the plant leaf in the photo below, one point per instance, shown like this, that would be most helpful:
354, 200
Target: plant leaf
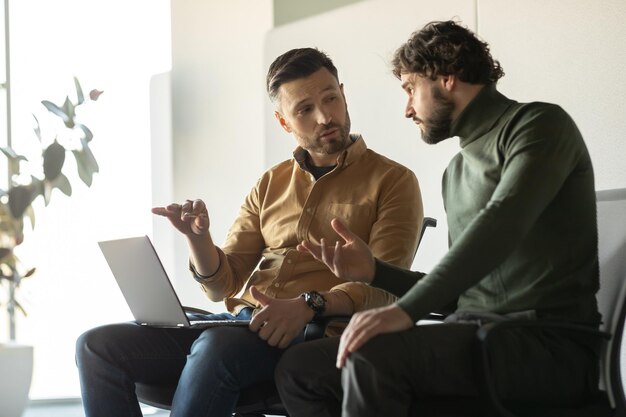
53, 160
37, 185
68, 108
20, 198
29, 273
53, 108
11, 154
19, 307
62, 183
37, 128
30, 212
88, 135
86, 164
79, 92
47, 191
13, 159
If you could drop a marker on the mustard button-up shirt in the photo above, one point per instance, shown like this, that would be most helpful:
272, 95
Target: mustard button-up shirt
377, 198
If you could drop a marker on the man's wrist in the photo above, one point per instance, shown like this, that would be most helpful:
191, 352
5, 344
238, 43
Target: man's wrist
204, 258
338, 303
310, 314
315, 301
200, 277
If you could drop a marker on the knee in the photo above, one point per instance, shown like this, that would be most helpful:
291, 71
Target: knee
214, 342
100, 342
308, 364
88, 344
226, 348
373, 357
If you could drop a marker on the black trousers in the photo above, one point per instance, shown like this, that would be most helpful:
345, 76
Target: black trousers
393, 373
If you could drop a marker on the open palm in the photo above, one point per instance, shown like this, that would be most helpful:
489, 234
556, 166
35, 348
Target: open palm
352, 260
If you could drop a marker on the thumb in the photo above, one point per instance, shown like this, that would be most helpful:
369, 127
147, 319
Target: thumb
259, 296
343, 231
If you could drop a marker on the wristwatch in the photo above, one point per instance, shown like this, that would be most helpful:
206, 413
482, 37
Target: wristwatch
315, 301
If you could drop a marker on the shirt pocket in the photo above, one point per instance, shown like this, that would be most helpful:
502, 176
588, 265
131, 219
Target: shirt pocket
358, 218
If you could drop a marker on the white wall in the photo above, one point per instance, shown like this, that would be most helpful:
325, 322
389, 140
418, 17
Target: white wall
563, 51
569, 52
217, 107
162, 166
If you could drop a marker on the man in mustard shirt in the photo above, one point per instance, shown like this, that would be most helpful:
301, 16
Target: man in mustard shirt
332, 174
520, 204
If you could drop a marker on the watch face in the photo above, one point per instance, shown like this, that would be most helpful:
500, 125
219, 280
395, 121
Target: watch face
315, 300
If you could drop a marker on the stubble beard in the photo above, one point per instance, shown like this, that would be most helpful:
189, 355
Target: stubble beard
437, 126
334, 146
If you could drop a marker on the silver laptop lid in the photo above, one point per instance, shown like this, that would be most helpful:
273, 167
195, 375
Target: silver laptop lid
144, 282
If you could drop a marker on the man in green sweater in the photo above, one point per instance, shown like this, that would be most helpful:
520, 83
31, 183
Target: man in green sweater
520, 204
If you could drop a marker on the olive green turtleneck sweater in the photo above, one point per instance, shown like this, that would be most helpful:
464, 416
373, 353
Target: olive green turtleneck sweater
520, 205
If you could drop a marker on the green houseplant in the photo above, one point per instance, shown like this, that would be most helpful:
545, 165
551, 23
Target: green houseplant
46, 175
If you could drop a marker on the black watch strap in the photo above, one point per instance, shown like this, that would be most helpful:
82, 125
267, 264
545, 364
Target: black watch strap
315, 301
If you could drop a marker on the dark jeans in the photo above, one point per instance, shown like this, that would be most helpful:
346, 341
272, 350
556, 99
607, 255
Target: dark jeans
392, 373
210, 366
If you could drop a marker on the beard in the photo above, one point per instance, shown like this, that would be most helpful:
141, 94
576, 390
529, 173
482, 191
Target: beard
315, 144
436, 127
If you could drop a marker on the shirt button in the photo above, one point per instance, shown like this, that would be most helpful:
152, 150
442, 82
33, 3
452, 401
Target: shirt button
276, 284
289, 261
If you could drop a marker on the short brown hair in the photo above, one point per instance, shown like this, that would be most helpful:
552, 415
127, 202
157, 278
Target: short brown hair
294, 64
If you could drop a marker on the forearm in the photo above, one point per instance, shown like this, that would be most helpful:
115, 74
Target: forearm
362, 296
338, 303
203, 255
394, 279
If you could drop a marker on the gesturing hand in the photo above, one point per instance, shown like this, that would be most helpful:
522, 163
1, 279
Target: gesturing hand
366, 324
352, 261
189, 218
279, 321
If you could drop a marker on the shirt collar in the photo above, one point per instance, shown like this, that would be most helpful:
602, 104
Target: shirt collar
349, 155
480, 115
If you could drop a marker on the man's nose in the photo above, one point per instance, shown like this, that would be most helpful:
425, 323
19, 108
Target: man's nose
409, 112
324, 117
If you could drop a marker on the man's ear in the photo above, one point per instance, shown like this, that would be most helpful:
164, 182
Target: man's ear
283, 123
448, 82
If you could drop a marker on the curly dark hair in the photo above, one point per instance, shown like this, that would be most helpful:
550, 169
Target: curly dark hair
294, 64
446, 48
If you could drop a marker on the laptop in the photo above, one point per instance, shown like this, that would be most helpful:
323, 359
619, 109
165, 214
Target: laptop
147, 288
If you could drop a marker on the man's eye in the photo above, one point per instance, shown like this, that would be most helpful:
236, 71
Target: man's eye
304, 110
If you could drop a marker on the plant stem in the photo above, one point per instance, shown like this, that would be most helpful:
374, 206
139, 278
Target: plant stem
7, 81
11, 310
